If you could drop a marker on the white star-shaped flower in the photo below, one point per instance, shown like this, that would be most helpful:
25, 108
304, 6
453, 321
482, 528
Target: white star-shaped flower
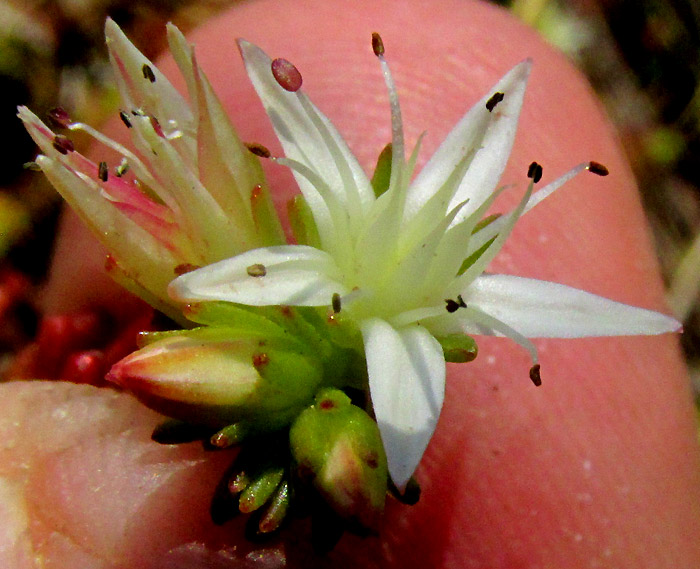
407, 264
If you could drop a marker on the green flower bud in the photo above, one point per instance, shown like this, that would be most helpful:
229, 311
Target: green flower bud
218, 376
338, 449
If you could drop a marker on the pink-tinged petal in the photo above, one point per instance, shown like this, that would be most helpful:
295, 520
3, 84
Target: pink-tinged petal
541, 309
308, 137
115, 188
287, 274
157, 97
196, 212
484, 139
144, 257
407, 384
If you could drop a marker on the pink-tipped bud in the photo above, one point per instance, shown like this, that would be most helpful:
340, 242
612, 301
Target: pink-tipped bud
338, 449
219, 376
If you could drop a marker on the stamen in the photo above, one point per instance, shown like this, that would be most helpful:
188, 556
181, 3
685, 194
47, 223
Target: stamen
148, 73
103, 171
335, 302
63, 144
398, 153
156, 126
256, 270
597, 168
494, 100
377, 44
455, 305
125, 118
258, 149
286, 75
58, 117
534, 171
535, 375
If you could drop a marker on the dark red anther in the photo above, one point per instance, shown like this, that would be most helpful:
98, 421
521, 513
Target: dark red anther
286, 75
455, 305
156, 126
535, 375
534, 171
148, 73
377, 44
63, 144
258, 149
103, 171
598, 169
58, 117
125, 118
494, 100
327, 405
335, 302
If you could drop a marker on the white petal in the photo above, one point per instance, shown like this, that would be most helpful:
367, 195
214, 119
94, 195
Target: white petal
160, 97
485, 138
293, 274
407, 384
541, 309
308, 137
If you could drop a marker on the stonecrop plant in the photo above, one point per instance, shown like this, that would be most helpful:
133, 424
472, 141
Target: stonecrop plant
322, 359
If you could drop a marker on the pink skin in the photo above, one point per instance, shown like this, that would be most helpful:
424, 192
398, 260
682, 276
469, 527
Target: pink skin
599, 467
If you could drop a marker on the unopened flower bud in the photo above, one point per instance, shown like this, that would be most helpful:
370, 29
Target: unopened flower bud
338, 449
218, 376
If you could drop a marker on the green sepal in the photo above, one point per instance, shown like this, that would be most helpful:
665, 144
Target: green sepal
458, 348
234, 316
382, 171
338, 449
302, 222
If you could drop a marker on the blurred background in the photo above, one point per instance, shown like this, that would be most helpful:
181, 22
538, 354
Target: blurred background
641, 56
